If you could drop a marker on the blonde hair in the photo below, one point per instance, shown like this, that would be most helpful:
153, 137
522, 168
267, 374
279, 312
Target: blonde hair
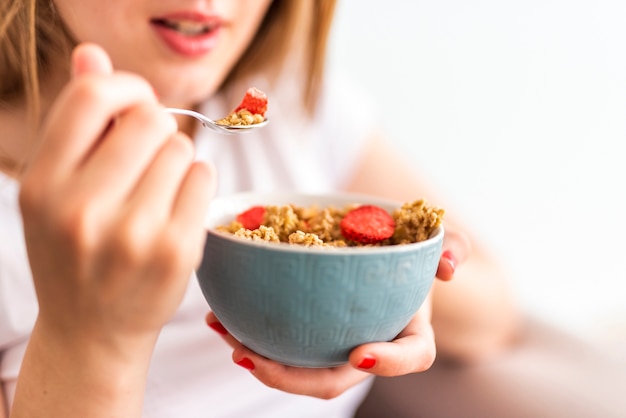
31, 38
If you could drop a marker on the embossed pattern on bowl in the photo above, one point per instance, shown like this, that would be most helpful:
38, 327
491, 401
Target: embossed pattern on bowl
309, 306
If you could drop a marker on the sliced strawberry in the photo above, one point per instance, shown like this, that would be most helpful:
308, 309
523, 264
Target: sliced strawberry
252, 218
367, 224
254, 101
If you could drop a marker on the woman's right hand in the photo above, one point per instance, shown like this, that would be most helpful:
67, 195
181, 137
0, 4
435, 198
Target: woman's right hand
113, 205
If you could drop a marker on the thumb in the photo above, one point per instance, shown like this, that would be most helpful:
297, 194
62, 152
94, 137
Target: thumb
456, 248
90, 58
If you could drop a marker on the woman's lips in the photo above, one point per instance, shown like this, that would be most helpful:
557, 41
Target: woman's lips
190, 34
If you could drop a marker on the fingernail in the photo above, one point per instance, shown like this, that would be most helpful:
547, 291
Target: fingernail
450, 258
367, 363
218, 327
246, 363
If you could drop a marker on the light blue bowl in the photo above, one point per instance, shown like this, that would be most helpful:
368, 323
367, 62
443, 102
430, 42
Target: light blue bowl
309, 307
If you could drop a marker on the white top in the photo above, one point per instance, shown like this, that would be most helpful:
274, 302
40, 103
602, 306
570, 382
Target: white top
192, 374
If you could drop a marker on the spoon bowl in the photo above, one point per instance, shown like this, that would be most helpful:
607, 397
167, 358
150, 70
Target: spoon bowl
213, 125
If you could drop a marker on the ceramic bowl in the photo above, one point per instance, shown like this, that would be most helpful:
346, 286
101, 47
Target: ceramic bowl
310, 306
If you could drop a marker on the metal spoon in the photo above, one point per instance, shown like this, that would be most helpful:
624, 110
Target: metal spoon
214, 126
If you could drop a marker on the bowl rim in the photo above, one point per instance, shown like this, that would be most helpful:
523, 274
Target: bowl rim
285, 247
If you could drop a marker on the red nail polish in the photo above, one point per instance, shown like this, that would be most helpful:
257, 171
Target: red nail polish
246, 363
218, 327
450, 257
367, 363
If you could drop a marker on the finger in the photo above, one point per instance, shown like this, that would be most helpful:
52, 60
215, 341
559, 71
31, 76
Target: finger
90, 58
156, 200
192, 203
216, 325
325, 383
151, 200
190, 208
80, 116
136, 142
456, 249
412, 351
447, 266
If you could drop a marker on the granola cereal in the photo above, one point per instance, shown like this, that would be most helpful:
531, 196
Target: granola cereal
312, 226
415, 221
242, 117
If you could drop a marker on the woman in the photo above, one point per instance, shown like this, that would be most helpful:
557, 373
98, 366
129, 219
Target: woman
107, 183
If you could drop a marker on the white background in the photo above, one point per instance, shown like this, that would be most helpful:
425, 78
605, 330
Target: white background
517, 107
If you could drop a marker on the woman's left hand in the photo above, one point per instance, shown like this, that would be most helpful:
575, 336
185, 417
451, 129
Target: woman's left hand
412, 351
